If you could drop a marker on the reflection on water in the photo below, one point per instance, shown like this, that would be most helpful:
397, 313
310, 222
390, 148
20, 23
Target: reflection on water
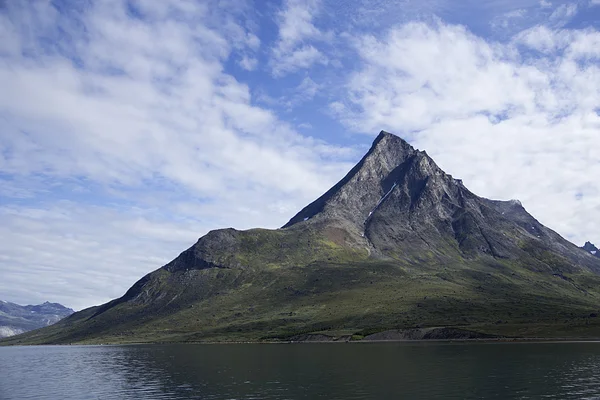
303, 371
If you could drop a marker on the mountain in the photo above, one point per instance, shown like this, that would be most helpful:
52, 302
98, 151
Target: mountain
16, 319
396, 249
593, 250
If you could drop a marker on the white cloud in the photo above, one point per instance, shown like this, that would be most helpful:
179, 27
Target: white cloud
81, 255
304, 92
248, 63
291, 51
248, 47
594, 3
576, 45
305, 125
139, 111
296, 22
542, 39
300, 58
308, 88
509, 20
510, 124
563, 14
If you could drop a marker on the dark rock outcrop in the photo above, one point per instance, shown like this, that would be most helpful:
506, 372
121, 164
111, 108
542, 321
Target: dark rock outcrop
590, 248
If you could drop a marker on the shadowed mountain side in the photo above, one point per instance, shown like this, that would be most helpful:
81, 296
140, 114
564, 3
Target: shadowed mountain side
396, 244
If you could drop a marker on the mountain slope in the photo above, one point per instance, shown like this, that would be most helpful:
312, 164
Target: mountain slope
396, 244
15, 319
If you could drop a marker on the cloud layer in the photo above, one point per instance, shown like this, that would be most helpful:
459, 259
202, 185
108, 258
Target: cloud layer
293, 50
126, 107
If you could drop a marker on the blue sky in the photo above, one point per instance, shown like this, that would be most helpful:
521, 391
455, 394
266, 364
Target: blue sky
131, 128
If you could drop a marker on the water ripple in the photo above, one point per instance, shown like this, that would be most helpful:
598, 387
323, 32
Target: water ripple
303, 371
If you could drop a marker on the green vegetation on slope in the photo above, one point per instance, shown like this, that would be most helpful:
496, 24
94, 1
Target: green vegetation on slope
347, 293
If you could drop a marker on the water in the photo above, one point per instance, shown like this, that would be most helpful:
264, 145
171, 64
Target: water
303, 371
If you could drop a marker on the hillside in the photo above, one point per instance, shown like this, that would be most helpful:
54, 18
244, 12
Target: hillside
397, 244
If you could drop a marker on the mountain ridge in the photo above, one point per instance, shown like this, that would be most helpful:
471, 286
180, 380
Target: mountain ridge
410, 176
396, 244
16, 319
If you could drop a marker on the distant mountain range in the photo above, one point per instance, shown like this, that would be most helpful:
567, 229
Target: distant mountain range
397, 249
16, 319
593, 250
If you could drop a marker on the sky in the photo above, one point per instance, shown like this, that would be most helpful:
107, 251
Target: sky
130, 128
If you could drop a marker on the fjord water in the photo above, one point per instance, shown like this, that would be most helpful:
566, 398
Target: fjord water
303, 371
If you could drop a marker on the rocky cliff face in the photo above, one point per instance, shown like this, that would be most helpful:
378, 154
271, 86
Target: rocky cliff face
16, 319
396, 244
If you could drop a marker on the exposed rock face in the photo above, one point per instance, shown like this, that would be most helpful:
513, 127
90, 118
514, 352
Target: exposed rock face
397, 245
590, 248
397, 198
16, 319
357, 194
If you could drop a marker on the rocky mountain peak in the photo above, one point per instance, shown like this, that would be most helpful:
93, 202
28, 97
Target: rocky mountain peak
397, 197
389, 160
590, 248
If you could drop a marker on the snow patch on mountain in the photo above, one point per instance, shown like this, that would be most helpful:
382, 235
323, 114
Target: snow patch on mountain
6, 331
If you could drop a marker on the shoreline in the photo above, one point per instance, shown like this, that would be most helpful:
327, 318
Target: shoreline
505, 340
